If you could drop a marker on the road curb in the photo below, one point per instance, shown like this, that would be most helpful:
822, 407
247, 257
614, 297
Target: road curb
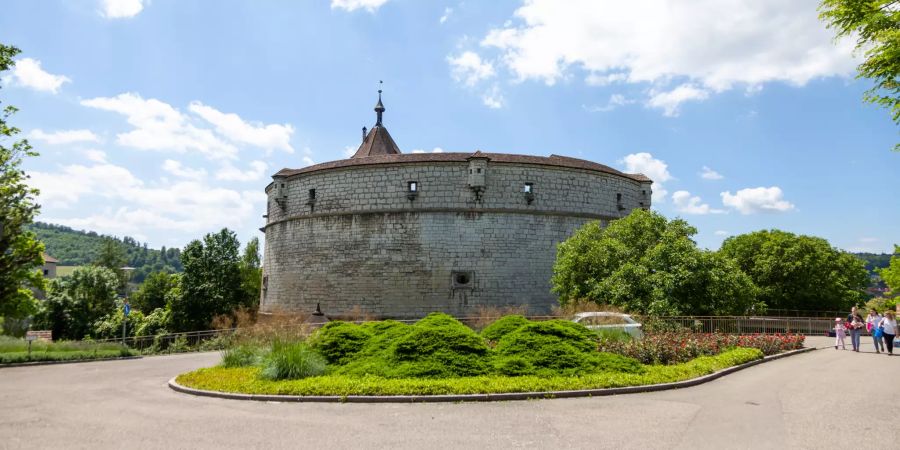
74, 361
174, 385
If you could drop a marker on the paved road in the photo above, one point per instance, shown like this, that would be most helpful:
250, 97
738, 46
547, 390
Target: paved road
814, 400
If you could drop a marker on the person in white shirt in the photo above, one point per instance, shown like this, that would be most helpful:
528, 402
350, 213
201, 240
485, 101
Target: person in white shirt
872, 321
888, 326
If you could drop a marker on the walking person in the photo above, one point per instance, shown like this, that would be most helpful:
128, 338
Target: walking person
840, 332
872, 321
888, 327
855, 324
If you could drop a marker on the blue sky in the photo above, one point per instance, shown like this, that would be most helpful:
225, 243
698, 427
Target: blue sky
164, 119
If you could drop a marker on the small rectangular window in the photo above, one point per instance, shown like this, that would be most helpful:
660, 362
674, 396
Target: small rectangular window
412, 186
46, 272
312, 194
479, 170
618, 198
529, 188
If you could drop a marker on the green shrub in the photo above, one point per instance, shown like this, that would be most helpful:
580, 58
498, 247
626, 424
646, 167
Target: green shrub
291, 361
241, 356
503, 326
513, 366
440, 320
339, 341
439, 351
558, 347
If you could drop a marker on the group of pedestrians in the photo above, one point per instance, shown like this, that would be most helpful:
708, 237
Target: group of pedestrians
883, 329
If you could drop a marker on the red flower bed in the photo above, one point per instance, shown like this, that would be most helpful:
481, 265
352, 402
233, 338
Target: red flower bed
674, 348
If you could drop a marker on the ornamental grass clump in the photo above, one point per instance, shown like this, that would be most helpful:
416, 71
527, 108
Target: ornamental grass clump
291, 361
243, 355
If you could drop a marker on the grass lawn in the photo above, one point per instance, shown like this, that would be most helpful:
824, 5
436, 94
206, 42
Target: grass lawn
246, 380
65, 271
14, 350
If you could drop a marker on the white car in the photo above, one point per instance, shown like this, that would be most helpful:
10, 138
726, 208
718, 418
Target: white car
610, 321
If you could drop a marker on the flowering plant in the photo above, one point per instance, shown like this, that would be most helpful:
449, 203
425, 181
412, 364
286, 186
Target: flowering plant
678, 347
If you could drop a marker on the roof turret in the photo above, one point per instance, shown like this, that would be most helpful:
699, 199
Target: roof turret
378, 141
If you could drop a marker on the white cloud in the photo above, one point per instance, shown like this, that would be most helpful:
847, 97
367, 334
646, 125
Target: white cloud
64, 188
709, 174
656, 169
468, 68
230, 125
435, 150
184, 206
493, 98
159, 126
702, 46
230, 173
179, 170
352, 5
868, 240
722, 233
28, 73
685, 203
121, 9
669, 101
63, 136
95, 155
447, 12
756, 200
615, 101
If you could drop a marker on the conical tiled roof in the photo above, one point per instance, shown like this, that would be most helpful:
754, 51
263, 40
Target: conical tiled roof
377, 142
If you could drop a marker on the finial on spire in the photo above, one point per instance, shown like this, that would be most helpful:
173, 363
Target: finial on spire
379, 108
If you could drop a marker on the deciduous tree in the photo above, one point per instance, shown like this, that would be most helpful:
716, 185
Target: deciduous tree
876, 26
798, 272
20, 251
645, 263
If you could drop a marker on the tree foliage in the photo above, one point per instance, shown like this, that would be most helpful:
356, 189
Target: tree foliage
153, 291
891, 274
251, 272
876, 26
78, 248
20, 251
75, 303
211, 282
798, 272
645, 263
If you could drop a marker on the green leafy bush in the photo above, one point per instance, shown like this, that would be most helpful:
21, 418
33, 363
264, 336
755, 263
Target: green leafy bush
291, 361
339, 341
503, 326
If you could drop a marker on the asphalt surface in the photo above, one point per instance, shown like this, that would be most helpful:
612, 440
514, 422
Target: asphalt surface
825, 398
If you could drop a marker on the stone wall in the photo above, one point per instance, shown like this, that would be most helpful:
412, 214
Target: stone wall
365, 243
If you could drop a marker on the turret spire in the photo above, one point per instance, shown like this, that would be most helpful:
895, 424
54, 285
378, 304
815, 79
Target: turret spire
379, 108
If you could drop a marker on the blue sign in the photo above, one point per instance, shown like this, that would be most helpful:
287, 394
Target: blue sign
127, 308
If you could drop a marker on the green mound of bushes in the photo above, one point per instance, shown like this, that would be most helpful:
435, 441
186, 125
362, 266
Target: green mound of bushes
339, 341
556, 347
503, 326
437, 346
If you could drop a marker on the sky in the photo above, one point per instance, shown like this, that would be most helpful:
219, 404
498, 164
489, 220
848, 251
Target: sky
164, 120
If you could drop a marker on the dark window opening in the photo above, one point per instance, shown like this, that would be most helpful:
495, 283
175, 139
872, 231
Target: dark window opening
312, 194
643, 192
46, 272
618, 198
462, 280
479, 170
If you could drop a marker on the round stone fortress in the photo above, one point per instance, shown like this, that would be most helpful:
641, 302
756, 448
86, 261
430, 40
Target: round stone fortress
402, 235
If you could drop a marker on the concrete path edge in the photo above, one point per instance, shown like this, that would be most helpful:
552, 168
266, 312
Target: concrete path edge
73, 361
174, 385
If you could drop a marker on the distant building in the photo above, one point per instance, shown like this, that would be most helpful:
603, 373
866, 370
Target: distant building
49, 267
